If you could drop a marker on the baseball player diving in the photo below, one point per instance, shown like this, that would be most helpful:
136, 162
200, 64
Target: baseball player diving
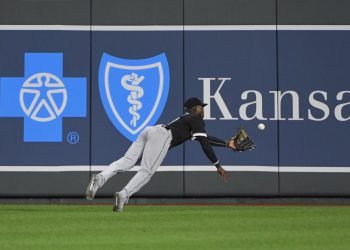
152, 145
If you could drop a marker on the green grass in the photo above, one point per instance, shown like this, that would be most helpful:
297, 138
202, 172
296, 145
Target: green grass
174, 227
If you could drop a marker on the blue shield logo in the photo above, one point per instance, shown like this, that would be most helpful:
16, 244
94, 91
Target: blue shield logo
133, 92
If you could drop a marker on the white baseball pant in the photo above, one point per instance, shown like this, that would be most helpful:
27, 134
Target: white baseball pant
152, 145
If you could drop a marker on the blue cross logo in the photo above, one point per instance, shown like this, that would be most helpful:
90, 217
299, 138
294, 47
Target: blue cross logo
43, 97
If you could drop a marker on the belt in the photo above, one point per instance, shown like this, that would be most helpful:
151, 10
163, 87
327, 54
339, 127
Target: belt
166, 126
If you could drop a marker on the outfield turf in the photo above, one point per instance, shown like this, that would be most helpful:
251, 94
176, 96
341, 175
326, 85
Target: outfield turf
174, 227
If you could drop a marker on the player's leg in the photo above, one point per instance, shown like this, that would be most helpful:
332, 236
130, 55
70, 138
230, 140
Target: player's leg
123, 164
128, 161
156, 148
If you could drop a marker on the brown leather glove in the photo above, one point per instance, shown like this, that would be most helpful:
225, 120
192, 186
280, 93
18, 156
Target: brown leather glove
241, 141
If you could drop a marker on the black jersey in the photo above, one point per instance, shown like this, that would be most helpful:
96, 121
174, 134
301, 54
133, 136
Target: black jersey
185, 127
192, 126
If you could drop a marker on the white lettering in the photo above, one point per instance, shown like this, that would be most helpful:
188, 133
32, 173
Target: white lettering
258, 103
339, 107
319, 105
217, 97
278, 96
318, 109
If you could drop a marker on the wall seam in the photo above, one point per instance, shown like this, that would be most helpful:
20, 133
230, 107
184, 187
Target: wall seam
90, 94
278, 111
183, 92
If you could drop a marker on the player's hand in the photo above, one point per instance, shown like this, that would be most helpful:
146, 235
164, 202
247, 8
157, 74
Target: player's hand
223, 173
231, 144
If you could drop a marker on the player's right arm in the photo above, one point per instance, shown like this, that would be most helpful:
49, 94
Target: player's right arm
208, 150
199, 134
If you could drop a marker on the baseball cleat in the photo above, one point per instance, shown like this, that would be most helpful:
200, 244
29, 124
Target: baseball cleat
119, 201
93, 186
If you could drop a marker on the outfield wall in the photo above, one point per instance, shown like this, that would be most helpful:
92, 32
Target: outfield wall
283, 63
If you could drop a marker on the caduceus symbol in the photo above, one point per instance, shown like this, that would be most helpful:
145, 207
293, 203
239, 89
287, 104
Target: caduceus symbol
131, 82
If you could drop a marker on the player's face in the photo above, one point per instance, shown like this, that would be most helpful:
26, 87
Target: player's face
199, 110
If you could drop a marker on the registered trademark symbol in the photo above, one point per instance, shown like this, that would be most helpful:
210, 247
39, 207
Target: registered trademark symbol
73, 138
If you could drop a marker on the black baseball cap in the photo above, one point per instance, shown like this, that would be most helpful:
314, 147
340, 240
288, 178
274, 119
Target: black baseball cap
193, 101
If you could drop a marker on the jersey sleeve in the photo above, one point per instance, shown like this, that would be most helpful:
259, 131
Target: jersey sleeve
199, 133
208, 150
197, 126
216, 141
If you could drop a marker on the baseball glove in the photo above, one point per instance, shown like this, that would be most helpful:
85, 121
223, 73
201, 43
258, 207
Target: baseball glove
242, 141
